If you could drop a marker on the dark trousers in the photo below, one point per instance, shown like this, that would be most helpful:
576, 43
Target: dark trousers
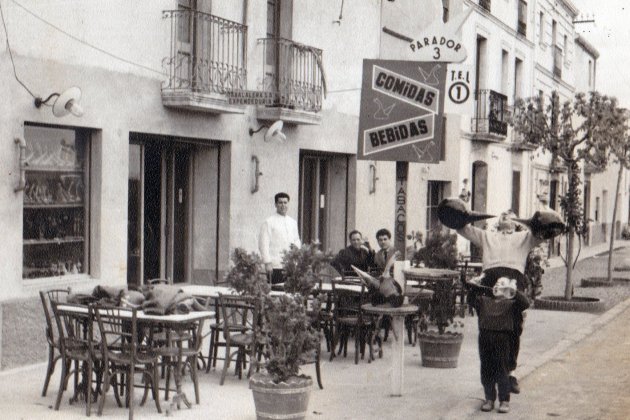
494, 353
490, 278
277, 276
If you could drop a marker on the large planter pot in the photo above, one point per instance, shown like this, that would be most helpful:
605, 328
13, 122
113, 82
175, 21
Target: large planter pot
286, 400
440, 350
576, 304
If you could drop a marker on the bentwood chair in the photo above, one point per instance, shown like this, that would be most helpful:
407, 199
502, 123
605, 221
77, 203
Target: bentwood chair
348, 319
216, 328
186, 344
75, 345
123, 354
318, 313
241, 325
52, 335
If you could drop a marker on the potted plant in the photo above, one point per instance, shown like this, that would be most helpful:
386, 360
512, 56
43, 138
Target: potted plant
302, 268
440, 340
290, 340
246, 275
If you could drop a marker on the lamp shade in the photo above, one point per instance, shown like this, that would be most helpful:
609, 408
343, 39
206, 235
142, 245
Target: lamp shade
275, 132
68, 102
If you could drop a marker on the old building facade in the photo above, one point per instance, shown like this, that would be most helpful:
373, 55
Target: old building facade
165, 172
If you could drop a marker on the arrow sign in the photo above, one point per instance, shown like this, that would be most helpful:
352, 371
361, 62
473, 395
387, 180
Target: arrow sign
401, 111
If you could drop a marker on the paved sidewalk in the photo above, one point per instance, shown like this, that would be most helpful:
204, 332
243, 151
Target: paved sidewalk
351, 391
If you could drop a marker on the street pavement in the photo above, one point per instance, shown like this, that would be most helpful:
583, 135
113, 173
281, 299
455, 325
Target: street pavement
572, 365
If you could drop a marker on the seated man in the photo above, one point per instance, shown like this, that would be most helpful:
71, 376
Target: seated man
383, 237
357, 253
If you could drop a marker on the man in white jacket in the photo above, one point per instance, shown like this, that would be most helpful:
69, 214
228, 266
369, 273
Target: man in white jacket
277, 234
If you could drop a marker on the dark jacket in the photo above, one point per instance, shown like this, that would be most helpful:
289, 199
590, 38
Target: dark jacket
349, 256
499, 314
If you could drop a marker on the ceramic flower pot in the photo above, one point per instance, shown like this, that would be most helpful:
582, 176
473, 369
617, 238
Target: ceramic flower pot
285, 400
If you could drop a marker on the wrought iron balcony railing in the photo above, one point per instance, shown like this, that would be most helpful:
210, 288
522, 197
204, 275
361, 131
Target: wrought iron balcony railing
293, 73
557, 61
491, 112
485, 4
207, 55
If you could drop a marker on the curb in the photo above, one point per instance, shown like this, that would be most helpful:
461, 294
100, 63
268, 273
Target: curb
574, 338
470, 405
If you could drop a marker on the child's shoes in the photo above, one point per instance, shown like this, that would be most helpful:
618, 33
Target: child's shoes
488, 405
504, 407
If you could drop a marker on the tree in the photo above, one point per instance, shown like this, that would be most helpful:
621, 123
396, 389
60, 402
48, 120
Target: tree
575, 132
619, 146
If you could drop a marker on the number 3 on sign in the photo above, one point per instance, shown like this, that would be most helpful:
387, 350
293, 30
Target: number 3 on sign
436, 55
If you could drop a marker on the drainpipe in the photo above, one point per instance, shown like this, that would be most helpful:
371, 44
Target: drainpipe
22, 145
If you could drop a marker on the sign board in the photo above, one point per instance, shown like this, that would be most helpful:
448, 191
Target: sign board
441, 41
459, 89
402, 103
250, 97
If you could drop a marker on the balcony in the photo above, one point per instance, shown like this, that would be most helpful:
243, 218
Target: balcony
207, 60
293, 77
485, 4
557, 61
491, 116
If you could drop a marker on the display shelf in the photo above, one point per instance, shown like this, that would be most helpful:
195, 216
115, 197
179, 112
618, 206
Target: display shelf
67, 240
53, 205
56, 169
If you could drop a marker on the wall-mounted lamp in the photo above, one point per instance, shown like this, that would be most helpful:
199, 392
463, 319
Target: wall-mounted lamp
257, 173
274, 132
373, 178
65, 103
465, 194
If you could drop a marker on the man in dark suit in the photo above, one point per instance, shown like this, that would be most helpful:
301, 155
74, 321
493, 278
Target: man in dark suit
384, 239
357, 253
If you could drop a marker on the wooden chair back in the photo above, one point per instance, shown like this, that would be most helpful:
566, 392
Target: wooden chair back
47, 297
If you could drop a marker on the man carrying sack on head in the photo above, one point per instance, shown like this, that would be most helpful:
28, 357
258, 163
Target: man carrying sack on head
504, 251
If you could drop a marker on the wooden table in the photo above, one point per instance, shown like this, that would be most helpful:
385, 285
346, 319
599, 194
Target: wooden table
174, 322
398, 346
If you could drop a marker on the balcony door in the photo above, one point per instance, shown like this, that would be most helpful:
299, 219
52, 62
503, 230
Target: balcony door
323, 199
279, 25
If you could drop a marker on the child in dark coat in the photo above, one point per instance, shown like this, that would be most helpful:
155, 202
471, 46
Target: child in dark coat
496, 326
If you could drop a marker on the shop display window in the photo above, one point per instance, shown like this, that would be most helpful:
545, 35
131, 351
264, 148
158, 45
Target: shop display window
56, 207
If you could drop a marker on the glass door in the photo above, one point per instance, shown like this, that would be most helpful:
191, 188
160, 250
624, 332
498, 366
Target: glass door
323, 199
159, 212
